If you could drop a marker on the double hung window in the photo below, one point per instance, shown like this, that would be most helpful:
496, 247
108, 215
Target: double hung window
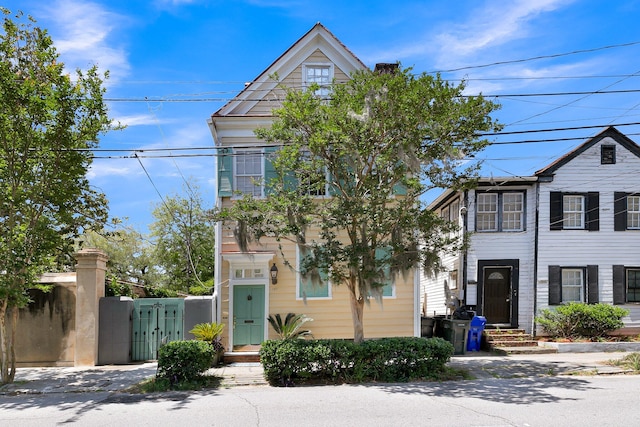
574, 211
248, 172
500, 211
320, 74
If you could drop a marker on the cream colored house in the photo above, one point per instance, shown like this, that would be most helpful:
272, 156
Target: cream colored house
245, 293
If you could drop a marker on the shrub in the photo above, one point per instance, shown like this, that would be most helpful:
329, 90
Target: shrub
180, 361
291, 327
580, 320
338, 361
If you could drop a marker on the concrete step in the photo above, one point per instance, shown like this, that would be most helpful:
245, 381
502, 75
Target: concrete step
524, 350
509, 337
514, 343
241, 357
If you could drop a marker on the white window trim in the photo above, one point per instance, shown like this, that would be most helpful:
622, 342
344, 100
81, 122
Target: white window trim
236, 153
495, 213
582, 284
520, 212
565, 211
632, 212
305, 66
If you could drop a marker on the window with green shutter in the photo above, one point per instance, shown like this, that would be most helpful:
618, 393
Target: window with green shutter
311, 284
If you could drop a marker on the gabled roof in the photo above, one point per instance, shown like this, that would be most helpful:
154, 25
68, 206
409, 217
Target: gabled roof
610, 132
317, 38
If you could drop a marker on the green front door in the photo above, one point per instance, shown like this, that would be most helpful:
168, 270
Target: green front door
248, 315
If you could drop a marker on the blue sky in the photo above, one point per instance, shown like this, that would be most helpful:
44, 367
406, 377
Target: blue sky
174, 62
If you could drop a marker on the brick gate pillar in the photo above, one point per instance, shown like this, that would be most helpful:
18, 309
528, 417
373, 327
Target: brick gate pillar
91, 267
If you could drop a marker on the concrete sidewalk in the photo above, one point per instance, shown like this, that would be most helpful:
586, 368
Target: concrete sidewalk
479, 364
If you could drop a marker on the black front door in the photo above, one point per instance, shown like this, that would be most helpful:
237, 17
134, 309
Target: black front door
497, 295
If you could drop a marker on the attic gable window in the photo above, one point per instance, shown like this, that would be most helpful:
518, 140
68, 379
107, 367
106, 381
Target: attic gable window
321, 74
608, 154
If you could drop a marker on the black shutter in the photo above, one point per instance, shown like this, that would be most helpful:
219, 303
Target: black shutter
620, 211
593, 211
619, 285
555, 210
555, 287
592, 284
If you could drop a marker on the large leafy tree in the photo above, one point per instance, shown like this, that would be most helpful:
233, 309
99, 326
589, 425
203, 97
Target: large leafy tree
49, 122
376, 146
130, 254
184, 239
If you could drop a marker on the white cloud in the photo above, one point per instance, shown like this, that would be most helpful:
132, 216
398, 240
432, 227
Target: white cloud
491, 24
137, 120
107, 169
494, 24
84, 34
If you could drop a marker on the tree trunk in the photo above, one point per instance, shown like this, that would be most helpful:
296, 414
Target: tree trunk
357, 312
7, 342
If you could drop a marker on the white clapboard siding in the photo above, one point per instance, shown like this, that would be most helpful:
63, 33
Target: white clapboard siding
579, 248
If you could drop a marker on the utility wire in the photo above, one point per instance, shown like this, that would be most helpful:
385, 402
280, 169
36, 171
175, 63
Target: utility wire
535, 58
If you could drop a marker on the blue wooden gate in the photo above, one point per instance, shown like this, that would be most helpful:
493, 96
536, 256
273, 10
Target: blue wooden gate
156, 321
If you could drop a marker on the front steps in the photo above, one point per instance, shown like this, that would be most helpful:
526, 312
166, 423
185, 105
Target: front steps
512, 341
241, 357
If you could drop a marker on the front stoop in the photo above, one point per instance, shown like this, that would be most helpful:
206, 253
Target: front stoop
512, 341
242, 357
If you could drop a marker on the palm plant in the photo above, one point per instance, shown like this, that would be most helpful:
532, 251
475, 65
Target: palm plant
209, 332
291, 327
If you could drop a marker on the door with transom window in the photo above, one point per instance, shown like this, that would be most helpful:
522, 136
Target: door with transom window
248, 315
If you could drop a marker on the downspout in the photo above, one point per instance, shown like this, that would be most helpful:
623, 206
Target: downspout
417, 319
535, 260
464, 252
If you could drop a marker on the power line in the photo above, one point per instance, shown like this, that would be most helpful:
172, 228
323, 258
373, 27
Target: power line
535, 58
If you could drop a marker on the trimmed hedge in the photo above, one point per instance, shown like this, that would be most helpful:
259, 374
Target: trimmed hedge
338, 361
180, 361
580, 320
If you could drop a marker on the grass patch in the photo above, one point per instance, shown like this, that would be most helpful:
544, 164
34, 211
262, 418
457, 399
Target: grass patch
630, 361
452, 374
156, 385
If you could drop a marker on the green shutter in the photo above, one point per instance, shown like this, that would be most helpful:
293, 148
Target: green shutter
387, 289
225, 172
269, 171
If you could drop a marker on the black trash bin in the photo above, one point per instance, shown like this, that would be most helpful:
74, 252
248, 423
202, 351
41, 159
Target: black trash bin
476, 327
426, 327
455, 331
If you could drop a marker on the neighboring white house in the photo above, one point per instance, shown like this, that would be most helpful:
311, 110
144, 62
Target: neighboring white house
568, 233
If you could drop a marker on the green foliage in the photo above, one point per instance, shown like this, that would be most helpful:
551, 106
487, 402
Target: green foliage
184, 237
377, 145
291, 327
209, 332
630, 361
337, 361
202, 289
129, 252
50, 121
118, 289
180, 361
580, 320
157, 385
156, 292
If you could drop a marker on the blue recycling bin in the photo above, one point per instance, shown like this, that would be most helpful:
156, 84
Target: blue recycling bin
476, 327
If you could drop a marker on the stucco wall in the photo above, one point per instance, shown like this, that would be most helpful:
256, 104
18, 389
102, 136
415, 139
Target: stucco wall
45, 333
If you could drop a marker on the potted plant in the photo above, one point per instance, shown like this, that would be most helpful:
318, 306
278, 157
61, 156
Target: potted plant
211, 332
